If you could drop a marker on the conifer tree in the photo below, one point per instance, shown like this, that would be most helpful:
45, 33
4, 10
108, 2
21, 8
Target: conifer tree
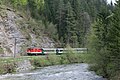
60, 18
114, 36
100, 41
70, 22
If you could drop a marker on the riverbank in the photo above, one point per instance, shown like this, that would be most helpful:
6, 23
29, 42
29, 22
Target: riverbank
23, 64
56, 72
13, 65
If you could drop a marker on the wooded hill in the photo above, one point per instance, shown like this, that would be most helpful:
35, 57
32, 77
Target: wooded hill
71, 18
80, 23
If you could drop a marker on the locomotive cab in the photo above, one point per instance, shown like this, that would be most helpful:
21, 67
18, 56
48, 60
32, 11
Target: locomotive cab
34, 51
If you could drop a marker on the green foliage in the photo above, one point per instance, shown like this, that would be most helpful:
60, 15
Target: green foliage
104, 42
54, 60
64, 59
71, 55
35, 7
40, 62
51, 31
51, 59
98, 48
1, 50
39, 3
7, 67
19, 2
71, 19
70, 22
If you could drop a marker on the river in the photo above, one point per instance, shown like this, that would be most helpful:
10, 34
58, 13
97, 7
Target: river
58, 72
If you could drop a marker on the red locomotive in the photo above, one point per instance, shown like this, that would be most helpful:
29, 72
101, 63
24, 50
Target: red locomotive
34, 51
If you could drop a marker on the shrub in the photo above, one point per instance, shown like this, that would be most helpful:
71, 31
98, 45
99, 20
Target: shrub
63, 60
54, 60
7, 68
40, 62
71, 55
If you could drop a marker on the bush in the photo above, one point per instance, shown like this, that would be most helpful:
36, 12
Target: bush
64, 60
7, 68
71, 55
40, 62
116, 76
51, 59
54, 60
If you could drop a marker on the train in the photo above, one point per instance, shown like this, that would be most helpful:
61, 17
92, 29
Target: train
57, 51
35, 51
43, 51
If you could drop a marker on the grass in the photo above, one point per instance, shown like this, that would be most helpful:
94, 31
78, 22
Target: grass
8, 65
67, 58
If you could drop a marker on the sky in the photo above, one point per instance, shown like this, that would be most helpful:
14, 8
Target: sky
109, 1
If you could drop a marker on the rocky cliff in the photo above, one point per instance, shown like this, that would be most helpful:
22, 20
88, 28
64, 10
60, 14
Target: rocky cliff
11, 28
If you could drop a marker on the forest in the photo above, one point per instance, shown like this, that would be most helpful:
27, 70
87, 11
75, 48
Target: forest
94, 24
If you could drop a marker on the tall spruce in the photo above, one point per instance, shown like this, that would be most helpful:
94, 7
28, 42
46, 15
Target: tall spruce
70, 23
114, 37
60, 19
100, 42
106, 41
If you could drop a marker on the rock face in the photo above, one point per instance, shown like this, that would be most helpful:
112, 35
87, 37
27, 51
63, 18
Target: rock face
9, 30
23, 66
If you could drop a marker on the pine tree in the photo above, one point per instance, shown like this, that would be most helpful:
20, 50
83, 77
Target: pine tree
75, 4
114, 36
60, 18
106, 41
50, 9
100, 41
70, 22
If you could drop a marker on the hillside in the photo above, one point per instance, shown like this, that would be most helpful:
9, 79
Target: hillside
93, 24
14, 24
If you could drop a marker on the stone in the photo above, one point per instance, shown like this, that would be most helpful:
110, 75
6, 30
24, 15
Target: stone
23, 66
